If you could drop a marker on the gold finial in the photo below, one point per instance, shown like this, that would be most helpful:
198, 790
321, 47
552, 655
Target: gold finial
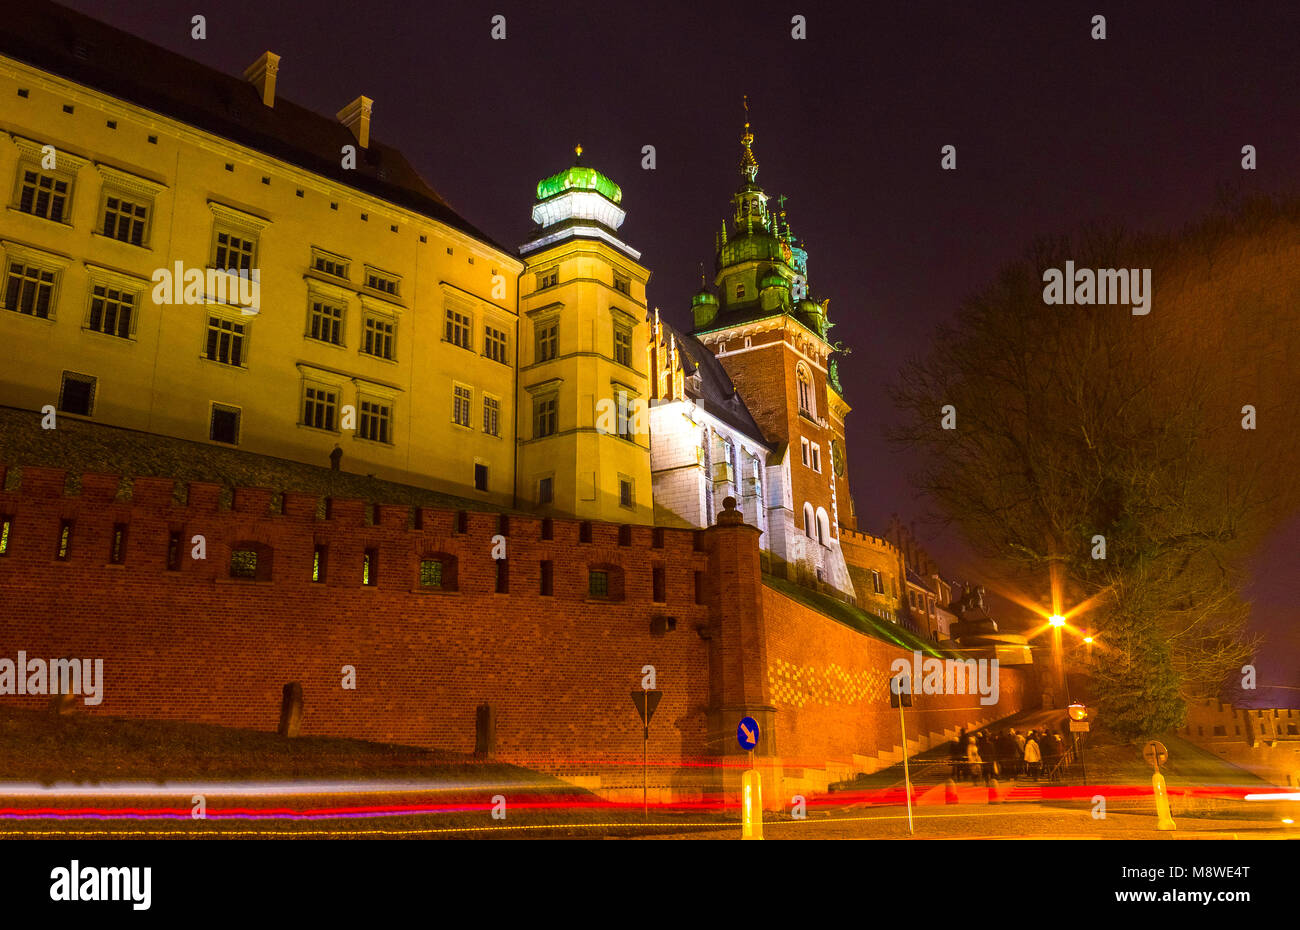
577, 149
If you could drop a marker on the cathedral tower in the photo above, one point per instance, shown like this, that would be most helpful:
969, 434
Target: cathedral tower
771, 337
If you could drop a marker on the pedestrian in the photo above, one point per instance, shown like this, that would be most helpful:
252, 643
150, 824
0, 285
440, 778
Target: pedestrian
963, 742
1033, 757
973, 761
1018, 745
1051, 750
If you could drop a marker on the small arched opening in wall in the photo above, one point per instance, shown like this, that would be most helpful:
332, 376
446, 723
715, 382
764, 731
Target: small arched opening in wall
809, 521
823, 527
604, 582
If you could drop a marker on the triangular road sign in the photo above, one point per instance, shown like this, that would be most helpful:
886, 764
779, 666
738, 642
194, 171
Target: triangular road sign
646, 702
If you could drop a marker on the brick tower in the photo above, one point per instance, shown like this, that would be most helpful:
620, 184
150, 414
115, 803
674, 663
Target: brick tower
771, 337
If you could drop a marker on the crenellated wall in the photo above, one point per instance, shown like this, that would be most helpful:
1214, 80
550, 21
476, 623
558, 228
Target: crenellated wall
188, 641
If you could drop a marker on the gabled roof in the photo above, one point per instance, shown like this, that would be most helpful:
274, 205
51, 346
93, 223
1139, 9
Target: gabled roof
88, 52
715, 393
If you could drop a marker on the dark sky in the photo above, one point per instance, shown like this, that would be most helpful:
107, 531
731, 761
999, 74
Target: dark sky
1052, 129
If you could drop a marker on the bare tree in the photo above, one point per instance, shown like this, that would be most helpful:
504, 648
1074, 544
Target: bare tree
1078, 426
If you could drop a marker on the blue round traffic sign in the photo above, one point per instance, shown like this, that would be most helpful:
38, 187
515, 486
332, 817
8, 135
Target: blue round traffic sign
747, 733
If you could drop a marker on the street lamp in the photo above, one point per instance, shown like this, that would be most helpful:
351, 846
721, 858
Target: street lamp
1056, 620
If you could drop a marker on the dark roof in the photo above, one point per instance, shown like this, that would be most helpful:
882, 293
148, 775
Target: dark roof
716, 394
64, 42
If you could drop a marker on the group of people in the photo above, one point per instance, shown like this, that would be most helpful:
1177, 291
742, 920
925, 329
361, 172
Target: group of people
986, 755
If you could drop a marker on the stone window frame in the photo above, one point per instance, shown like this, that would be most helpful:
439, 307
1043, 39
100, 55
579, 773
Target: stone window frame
127, 186
67, 167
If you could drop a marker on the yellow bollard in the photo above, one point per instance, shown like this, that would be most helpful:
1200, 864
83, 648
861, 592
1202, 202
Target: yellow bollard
751, 810
1164, 821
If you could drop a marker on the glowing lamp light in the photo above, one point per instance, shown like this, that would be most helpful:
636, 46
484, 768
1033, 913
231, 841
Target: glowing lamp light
1088, 640
1078, 712
1056, 620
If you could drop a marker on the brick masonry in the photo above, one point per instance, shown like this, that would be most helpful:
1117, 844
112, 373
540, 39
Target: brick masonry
197, 644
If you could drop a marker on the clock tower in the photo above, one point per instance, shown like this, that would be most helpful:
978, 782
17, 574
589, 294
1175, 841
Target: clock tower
770, 335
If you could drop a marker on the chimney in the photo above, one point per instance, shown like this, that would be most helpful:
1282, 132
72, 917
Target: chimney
356, 116
261, 74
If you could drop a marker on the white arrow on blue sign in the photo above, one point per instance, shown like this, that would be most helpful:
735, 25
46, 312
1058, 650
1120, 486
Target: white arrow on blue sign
747, 733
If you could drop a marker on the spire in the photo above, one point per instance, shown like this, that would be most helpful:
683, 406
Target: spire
748, 164
577, 153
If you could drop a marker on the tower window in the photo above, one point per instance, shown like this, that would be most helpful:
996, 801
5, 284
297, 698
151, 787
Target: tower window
545, 416
548, 340
546, 278
623, 345
622, 284
370, 567
806, 405
740, 291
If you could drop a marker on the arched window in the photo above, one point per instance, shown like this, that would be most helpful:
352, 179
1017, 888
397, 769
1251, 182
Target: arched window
823, 527
808, 520
806, 403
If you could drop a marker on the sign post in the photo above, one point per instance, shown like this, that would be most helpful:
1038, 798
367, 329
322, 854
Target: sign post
1155, 753
1079, 723
900, 696
751, 783
646, 702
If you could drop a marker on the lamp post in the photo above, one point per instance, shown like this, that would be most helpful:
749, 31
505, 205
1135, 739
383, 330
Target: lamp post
1058, 663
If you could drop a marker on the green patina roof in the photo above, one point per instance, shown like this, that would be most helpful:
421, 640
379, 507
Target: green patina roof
761, 246
578, 178
703, 297
772, 279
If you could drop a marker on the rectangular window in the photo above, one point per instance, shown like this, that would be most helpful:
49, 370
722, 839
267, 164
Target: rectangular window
625, 493
622, 284
623, 345
43, 194
545, 417
376, 421
224, 425
548, 578
6, 527
64, 547
431, 573
548, 340
326, 323
598, 584
625, 423
332, 265
491, 415
480, 477
546, 491
243, 563
77, 394
319, 408
319, 558
460, 401
225, 341
377, 280
659, 584
174, 543
233, 253
503, 577
110, 311
125, 219
117, 552
548, 278
494, 344
370, 567
378, 337
456, 331
29, 290
877, 584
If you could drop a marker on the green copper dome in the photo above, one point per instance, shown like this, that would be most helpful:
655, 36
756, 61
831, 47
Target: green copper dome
703, 296
578, 178
761, 246
772, 279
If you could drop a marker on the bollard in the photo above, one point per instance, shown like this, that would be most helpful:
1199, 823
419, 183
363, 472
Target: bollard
1164, 820
291, 709
751, 810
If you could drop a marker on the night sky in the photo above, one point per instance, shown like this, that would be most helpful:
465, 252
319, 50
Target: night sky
1052, 130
